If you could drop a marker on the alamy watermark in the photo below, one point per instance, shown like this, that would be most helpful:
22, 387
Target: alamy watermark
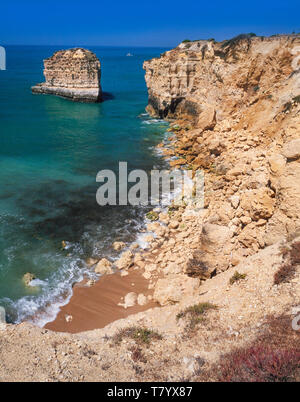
157, 188
2, 58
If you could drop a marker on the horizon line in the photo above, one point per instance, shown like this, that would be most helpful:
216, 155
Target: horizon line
125, 46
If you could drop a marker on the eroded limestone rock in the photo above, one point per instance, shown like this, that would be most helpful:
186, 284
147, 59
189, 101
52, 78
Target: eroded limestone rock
74, 74
129, 300
291, 150
28, 277
125, 261
104, 267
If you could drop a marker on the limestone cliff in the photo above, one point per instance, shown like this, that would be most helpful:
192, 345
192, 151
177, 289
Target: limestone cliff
74, 74
238, 105
215, 79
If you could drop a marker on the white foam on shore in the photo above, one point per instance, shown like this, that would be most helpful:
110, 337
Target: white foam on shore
48, 296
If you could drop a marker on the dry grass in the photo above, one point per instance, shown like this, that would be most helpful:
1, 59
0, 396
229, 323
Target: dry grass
197, 268
236, 277
142, 336
137, 354
287, 271
195, 314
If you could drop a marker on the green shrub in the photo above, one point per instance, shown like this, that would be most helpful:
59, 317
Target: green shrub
236, 277
296, 99
195, 313
139, 334
152, 216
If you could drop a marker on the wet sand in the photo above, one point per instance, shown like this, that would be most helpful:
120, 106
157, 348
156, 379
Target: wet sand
96, 306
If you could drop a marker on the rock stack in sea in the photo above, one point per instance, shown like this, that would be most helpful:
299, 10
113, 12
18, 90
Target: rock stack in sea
74, 74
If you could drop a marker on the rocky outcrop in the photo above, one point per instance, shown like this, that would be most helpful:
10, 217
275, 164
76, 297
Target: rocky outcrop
74, 74
104, 267
27, 278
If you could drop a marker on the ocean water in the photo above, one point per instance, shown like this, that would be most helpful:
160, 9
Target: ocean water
50, 152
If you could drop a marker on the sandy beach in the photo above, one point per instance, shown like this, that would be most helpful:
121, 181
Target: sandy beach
96, 306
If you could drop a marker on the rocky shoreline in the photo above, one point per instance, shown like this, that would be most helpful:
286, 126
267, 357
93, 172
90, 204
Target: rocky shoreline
226, 280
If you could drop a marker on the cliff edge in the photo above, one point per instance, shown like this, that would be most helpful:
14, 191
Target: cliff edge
218, 79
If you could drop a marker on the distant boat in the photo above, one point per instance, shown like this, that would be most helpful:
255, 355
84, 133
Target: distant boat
129, 54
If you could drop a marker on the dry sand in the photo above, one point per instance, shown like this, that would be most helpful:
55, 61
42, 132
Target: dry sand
96, 306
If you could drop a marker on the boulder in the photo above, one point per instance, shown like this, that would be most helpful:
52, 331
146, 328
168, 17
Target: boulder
90, 283
91, 261
164, 218
104, 267
277, 164
291, 150
142, 299
28, 277
173, 224
207, 118
214, 235
251, 238
235, 201
118, 245
129, 300
125, 261
260, 203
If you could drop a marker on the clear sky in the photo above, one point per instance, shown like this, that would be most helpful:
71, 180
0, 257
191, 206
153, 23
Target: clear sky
141, 23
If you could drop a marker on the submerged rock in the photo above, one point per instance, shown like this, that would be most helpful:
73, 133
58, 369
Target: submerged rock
74, 74
91, 261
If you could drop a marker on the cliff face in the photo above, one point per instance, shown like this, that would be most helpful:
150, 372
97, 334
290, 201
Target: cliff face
217, 79
74, 74
238, 105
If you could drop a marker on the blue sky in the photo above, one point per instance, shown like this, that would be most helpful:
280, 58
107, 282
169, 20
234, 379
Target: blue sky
141, 23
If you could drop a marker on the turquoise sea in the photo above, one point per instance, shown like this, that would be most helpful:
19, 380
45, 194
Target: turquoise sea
50, 152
